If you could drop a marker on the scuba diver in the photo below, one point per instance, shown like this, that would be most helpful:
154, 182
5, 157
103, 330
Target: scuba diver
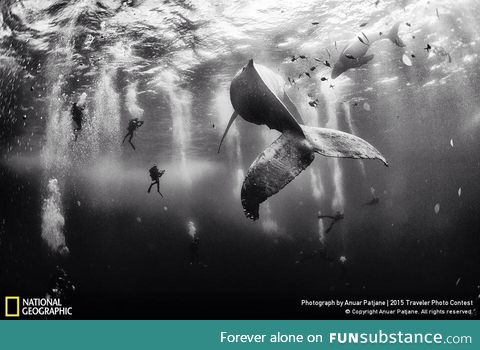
337, 217
77, 117
133, 125
155, 174
374, 200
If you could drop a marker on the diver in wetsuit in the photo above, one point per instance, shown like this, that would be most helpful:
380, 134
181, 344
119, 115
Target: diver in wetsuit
133, 125
156, 174
77, 117
337, 217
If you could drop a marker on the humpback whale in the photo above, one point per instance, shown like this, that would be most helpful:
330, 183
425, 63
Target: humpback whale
354, 54
257, 95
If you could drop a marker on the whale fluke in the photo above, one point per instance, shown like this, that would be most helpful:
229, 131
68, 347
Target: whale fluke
290, 154
273, 169
339, 144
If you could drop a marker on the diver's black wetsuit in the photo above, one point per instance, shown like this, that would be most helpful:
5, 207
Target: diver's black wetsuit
155, 174
77, 117
133, 125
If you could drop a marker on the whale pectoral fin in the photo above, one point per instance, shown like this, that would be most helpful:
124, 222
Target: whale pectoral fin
292, 108
364, 60
273, 169
230, 122
334, 143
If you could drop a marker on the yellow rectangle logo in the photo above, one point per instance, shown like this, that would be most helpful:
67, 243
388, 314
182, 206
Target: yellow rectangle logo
8, 310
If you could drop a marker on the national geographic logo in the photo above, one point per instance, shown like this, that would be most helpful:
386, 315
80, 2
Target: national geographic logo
25, 307
12, 306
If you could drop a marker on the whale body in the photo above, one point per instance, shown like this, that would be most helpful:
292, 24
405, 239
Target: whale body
258, 96
355, 55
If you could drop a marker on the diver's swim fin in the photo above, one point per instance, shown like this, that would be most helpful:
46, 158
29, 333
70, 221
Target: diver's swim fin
230, 122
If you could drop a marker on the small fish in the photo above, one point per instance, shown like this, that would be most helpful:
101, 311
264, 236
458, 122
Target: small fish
380, 33
366, 106
349, 56
363, 24
332, 86
300, 75
413, 56
459, 192
355, 104
377, 2
213, 125
365, 36
294, 58
458, 281
307, 74
327, 64
436, 10
361, 40
312, 68
315, 23
289, 80
302, 57
313, 103
323, 79
328, 52
336, 46
408, 24
451, 143
428, 48
413, 36
449, 58
437, 208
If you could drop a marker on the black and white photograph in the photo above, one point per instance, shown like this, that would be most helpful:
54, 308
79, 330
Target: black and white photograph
240, 159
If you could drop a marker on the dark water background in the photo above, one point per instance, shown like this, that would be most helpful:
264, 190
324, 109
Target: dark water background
171, 63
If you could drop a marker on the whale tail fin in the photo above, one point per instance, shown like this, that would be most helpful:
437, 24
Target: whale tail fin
393, 35
292, 153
